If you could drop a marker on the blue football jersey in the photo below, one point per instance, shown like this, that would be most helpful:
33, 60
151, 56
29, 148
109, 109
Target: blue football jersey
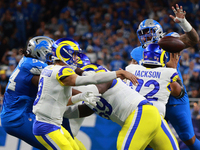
20, 91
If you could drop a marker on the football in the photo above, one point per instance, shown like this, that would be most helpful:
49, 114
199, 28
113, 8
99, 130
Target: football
171, 44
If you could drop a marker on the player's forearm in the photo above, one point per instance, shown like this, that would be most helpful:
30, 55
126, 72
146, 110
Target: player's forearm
178, 91
84, 111
97, 78
190, 38
193, 36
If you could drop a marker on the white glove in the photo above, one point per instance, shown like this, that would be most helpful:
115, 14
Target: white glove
87, 73
87, 97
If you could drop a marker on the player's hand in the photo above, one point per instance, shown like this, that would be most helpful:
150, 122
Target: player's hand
127, 75
90, 98
179, 14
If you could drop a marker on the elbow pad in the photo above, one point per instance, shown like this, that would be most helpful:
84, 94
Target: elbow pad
182, 89
96, 78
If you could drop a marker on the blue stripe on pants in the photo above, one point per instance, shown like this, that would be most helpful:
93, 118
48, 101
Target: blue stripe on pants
139, 114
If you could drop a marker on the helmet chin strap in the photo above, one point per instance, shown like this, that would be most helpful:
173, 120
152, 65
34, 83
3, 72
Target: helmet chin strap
28, 52
146, 44
72, 65
162, 35
154, 40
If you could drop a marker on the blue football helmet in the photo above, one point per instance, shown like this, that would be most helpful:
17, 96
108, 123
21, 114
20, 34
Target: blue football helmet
94, 67
149, 31
154, 55
64, 50
40, 47
83, 60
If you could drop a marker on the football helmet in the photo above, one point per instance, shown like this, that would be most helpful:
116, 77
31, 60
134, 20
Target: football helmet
149, 31
64, 50
83, 60
40, 47
94, 67
154, 55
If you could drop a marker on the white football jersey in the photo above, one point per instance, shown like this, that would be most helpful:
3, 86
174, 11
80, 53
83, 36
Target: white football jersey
154, 83
52, 97
118, 102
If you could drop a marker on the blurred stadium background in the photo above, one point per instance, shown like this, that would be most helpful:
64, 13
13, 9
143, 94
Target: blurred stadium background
106, 32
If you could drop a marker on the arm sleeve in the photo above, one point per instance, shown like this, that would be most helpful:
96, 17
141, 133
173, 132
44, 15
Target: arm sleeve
97, 78
71, 112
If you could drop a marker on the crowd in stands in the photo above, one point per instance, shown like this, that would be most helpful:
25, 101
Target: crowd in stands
105, 30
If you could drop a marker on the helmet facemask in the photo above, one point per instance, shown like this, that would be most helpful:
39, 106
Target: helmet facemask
149, 31
66, 50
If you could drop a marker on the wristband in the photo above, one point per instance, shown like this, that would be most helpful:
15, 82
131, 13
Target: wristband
96, 78
76, 98
185, 25
87, 73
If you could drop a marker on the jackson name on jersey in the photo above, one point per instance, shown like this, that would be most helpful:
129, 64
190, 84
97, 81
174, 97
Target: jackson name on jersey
154, 83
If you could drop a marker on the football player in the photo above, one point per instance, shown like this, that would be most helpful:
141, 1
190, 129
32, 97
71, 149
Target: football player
155, 79
177, 109
55, 92
141, 123
16, 116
